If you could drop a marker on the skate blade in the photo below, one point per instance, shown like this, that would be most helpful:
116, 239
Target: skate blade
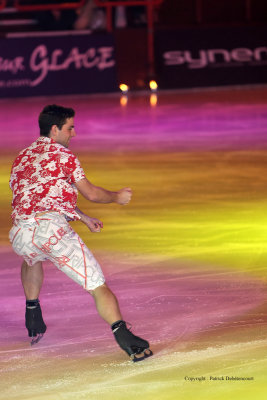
147, 353
36, 339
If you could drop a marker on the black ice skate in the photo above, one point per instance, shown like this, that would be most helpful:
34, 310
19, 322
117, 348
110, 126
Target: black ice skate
134, 346
34, 321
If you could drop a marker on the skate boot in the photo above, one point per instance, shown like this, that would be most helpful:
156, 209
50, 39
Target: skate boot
34, 321
134, 346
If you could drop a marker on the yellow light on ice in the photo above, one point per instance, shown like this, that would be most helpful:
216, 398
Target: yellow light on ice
123, 100
153, 99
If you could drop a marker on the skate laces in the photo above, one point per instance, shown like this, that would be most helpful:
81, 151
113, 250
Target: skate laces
32, 304
128, 326
117, 325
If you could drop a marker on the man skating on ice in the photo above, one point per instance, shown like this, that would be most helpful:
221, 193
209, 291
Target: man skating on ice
45, 179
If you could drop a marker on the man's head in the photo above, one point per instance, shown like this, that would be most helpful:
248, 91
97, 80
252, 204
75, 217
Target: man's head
57, 122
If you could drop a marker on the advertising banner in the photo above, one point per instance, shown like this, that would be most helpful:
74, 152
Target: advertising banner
50, 64
211, 56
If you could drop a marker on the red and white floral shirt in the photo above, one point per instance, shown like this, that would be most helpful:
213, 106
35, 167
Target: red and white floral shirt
42, 179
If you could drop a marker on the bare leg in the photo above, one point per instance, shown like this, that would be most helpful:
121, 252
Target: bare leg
32, 279
106, 304
108, 308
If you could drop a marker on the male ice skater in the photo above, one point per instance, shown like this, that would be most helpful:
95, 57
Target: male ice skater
45, 180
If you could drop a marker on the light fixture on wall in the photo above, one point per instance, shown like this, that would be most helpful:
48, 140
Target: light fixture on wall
124, 88
153, 86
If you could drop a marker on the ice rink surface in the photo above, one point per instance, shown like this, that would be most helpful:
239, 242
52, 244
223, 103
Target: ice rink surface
186, 258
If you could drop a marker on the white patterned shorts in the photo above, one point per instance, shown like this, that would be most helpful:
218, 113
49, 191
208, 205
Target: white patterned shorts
50, 237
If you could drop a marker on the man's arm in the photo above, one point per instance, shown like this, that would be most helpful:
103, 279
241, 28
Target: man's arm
100, 195
93, 224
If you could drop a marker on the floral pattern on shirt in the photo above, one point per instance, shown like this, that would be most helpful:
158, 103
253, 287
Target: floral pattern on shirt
42, 179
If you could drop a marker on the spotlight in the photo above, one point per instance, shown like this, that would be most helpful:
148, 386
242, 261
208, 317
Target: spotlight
153, 86
124, 88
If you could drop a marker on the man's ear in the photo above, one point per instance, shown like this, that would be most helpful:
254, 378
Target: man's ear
53, 131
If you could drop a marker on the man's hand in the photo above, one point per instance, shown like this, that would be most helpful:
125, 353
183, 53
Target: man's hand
93, 224
124, 196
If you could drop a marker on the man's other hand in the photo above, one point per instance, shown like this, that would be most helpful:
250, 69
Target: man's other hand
93, 224
124, 196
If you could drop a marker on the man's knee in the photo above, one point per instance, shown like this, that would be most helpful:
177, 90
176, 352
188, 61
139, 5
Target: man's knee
38, 264
24, 264
99, 289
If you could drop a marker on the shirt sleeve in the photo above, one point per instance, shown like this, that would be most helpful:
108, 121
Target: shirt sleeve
72, 167
78, 172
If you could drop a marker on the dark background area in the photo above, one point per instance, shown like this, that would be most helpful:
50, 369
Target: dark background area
131, 41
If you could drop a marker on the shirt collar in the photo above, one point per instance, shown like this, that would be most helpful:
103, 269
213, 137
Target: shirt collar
45, 139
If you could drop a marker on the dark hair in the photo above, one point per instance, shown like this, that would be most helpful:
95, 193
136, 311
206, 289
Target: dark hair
53, 115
